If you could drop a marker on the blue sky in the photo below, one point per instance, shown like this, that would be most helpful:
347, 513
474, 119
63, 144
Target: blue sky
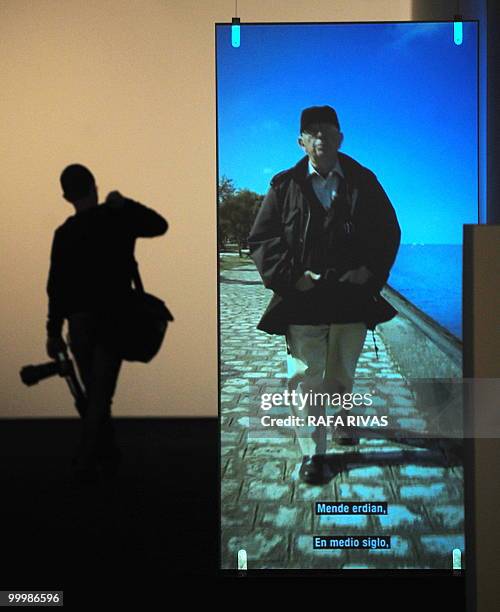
405, 94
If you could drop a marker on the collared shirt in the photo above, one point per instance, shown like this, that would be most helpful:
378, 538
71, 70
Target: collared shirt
326, 188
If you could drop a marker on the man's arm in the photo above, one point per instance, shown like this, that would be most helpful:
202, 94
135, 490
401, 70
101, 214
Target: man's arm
385, 235
268, 247
144, 221
55, 288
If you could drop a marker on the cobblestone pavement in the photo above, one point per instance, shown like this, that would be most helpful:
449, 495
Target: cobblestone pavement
269, 512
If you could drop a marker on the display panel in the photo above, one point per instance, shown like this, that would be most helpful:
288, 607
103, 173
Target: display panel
342, 448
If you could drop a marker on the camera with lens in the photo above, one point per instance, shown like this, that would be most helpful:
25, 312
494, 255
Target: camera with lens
33, 374
61, 366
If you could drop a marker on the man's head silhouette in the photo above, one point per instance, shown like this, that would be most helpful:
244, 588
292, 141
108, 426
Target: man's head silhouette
78, 185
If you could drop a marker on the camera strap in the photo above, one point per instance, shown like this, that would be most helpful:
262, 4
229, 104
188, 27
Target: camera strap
136, 277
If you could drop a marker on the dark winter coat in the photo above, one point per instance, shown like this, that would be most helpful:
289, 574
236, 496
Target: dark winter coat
281, 241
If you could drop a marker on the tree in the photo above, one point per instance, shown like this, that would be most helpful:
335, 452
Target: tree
237, 210
225, 191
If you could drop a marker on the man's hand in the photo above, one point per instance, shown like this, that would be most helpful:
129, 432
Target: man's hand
359, 276
306, 281
55, 345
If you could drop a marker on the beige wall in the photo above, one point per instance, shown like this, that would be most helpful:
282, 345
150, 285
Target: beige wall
127, 88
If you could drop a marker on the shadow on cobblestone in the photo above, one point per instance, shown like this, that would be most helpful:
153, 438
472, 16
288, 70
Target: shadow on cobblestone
224, 279
340, 461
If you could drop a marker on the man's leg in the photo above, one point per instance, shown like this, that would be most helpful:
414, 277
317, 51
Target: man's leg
99, 367
345, 343
307, 350
97, 423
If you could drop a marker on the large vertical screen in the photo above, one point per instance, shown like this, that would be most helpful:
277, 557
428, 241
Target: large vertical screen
347, 166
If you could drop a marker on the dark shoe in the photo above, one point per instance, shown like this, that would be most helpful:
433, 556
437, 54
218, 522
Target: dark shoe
347, 441
343, 438
315, 470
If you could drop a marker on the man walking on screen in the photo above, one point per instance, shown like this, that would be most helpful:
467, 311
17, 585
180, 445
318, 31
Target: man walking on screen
324, 240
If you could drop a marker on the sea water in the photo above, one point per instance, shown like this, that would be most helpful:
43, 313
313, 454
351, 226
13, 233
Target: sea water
430, 276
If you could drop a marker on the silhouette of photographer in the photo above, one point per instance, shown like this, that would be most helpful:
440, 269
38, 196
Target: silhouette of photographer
89, 284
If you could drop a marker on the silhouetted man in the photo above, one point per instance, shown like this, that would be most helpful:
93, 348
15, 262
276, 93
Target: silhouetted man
89, 283
324, 240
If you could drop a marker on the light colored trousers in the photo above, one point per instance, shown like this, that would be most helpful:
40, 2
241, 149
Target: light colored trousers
321, 358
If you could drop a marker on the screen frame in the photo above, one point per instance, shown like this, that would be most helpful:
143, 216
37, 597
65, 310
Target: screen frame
452, 581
